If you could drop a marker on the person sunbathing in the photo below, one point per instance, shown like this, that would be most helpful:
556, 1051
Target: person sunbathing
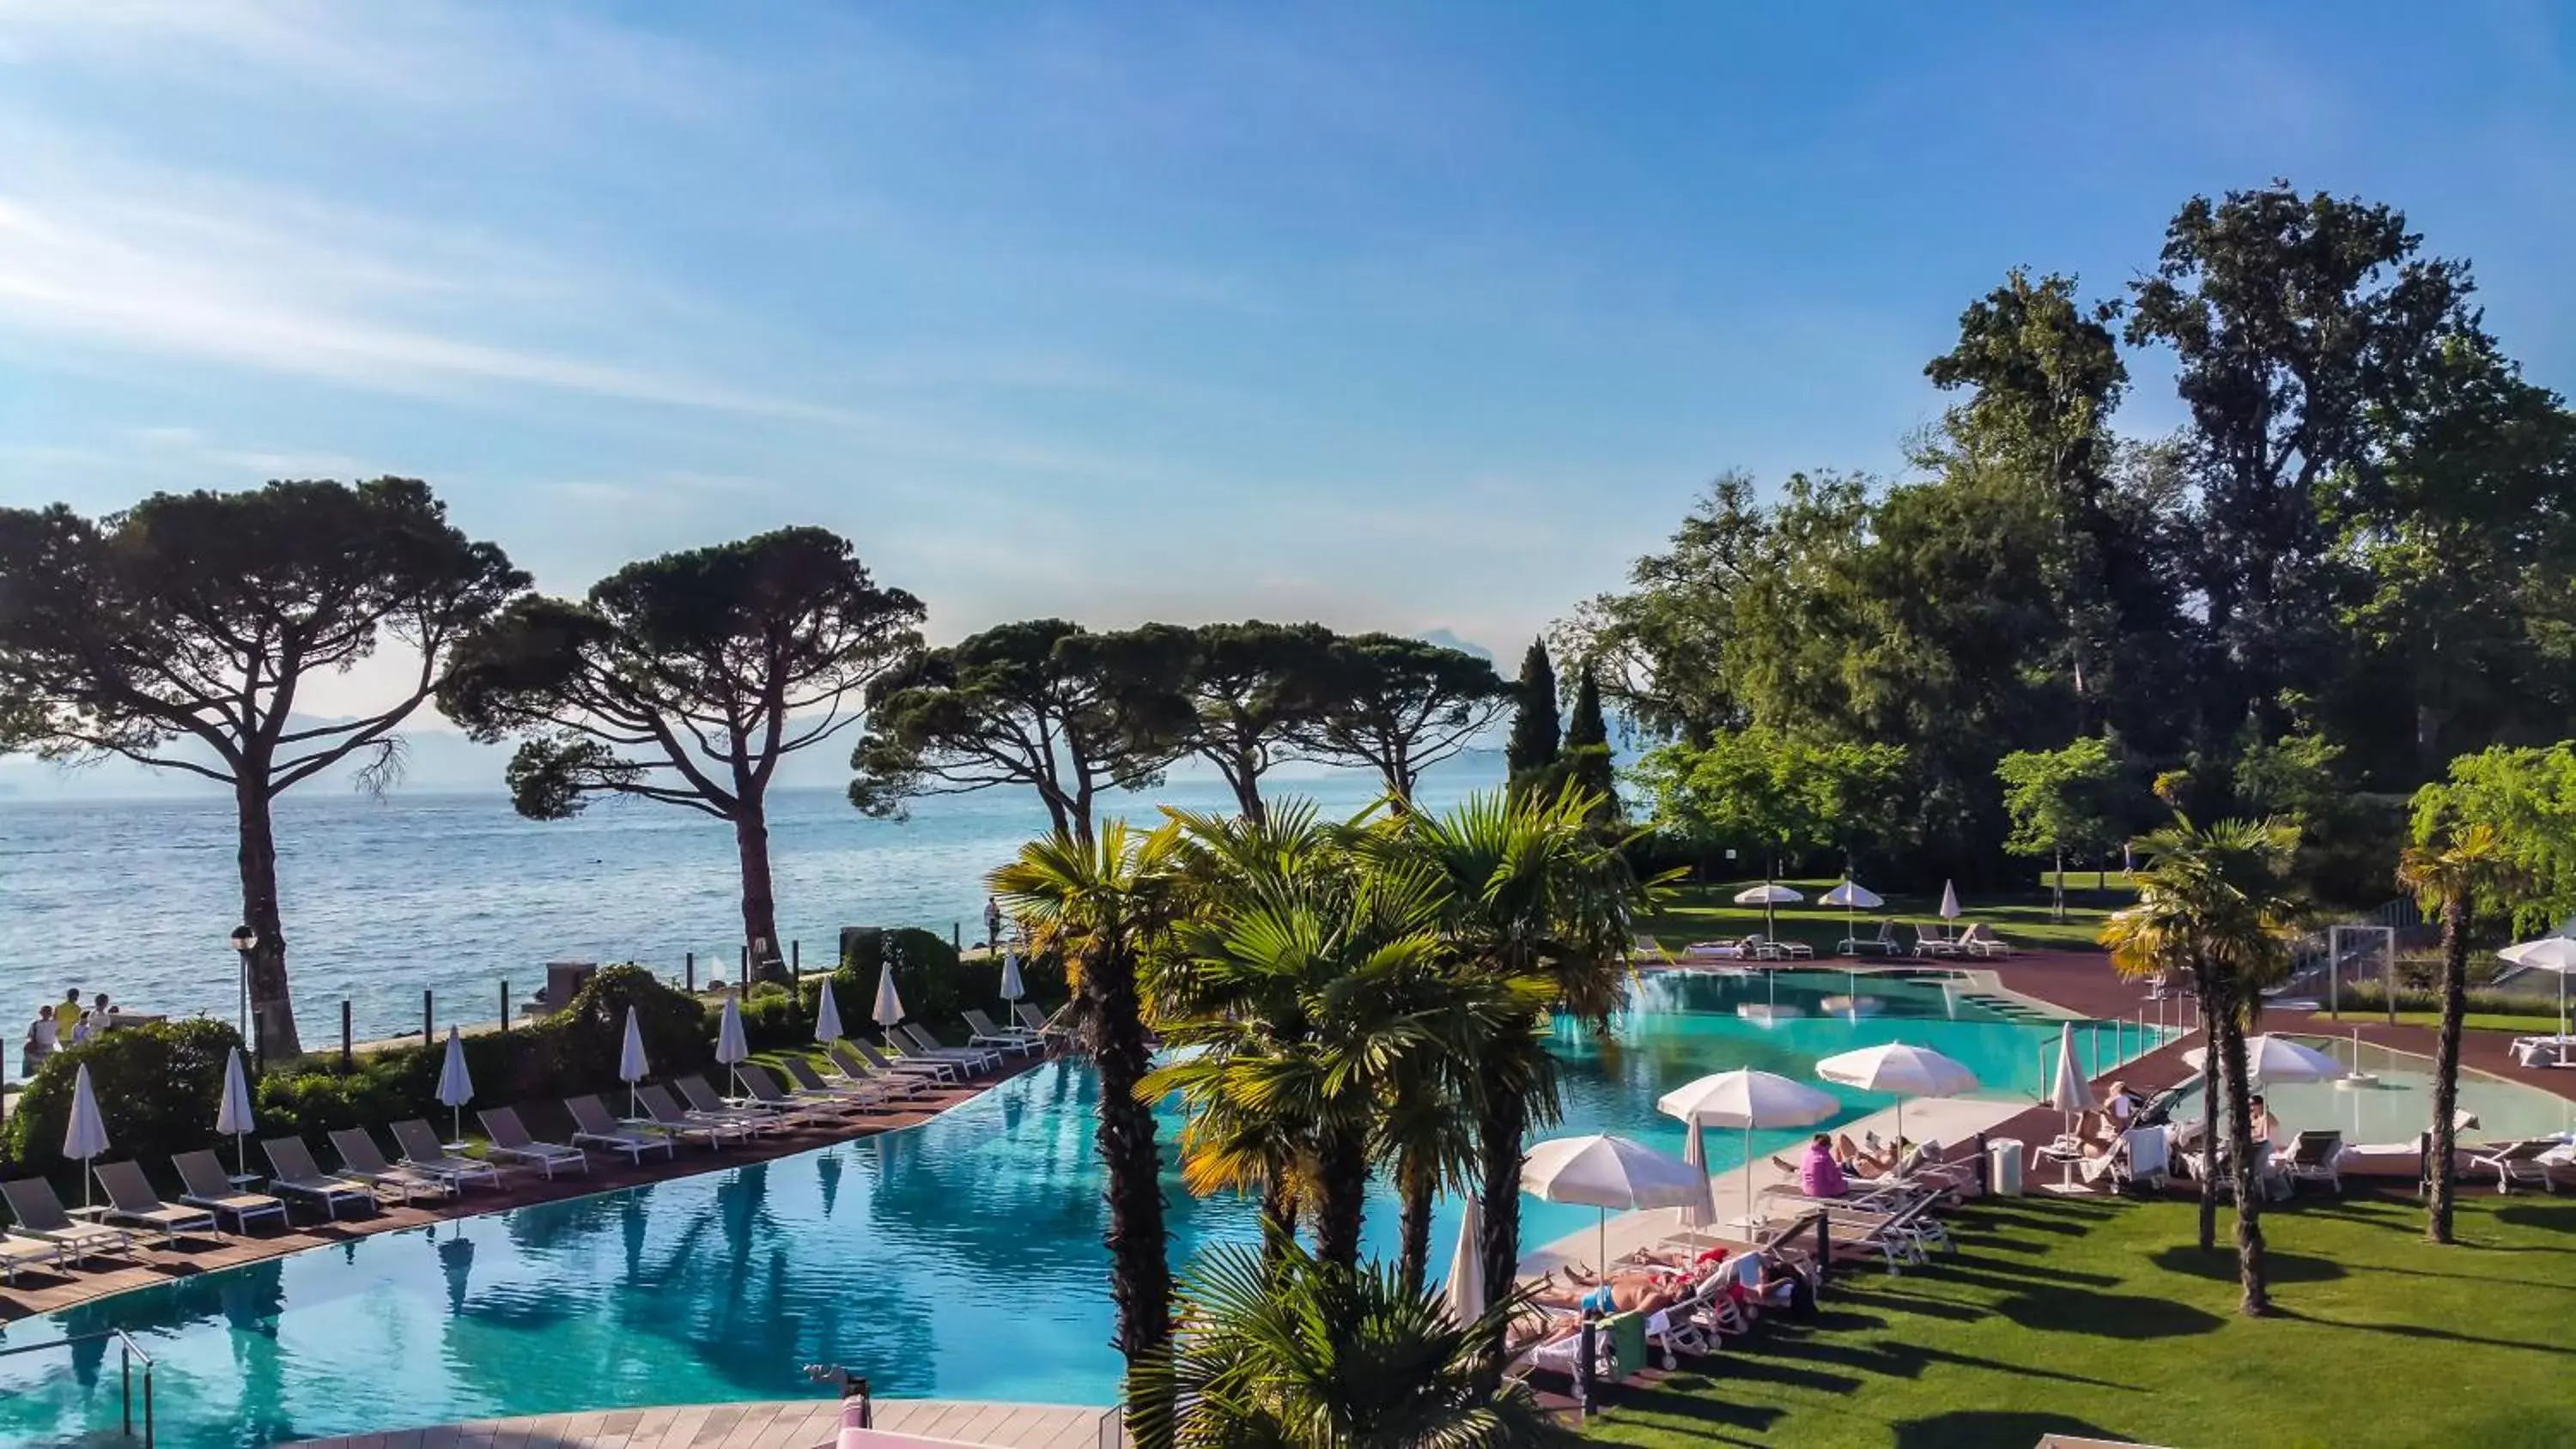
1636, 1291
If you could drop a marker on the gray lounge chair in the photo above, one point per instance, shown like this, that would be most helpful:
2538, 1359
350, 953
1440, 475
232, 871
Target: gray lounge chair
593, 1123
916, 1042
982, 1030
867, 1094
292, 1170
362, 1159
917, 1067
510, 1139
668, 1115
205, 1185
1041, 1023
40, 1215
131, 1199
802, 1106
705, 1102
2316, 1157
1882, 944
423, 1152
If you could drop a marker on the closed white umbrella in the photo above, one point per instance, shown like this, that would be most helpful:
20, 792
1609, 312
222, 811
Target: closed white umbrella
1747, 1099
1950, 902
1466, 1290
889, 1007
1012, 990
2277, 1060
455, 1084
2549, 953
732, 1049
2069, 1092
1900, 1071
631, 1066
1608, 1172
1696, 1213
233, 1116
85, 1136
827, 1015
1769, 896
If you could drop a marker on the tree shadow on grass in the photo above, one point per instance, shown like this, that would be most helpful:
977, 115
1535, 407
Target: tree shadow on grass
1986, 1428
1774, 1369
2418, 1330
2132, 1316
2218, 1265
2011, 1276
1691, 1404
2550, 1216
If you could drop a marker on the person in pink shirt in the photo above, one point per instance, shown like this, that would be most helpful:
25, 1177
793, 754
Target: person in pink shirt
1818, 1174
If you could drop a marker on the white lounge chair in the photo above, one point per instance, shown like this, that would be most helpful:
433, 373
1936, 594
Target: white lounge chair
130, 1199
362, 1159
204, 1184
291, 1170
593, 1123
798, 1106
2514, 1162
982, 1030
919, 1067
868, 1094
423, 1152
40, 1215
19, 1253
2315, 1157
1050, 1027
1882, 944
916, 1042
666, 1113
510, 1139
1980, 940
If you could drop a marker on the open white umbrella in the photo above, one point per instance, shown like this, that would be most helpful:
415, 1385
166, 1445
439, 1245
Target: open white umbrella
889, 1007
1901, 1071
1854, 898
455, 1084
1608, 1172
2549, 953
631, 1066
1012, 990
827, 1015
732, 1049
85, 1136
1769, 896
2277, 1060
1466, 1289
1747, 1099
233, 1116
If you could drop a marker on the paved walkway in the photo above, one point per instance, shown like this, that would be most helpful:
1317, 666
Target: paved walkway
804, 1424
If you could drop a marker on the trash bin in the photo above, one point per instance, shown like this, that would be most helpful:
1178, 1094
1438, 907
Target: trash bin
2003, 1166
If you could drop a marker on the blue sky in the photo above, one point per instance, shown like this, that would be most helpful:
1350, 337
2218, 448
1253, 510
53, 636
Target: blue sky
1399, 316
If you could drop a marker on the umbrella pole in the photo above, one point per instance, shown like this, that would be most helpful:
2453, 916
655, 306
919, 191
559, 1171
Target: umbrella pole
1748, 1178
1601, 1245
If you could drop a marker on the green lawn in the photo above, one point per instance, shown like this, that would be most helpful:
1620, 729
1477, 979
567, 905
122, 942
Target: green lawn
1704, 912
2520, 1023
2103, 1318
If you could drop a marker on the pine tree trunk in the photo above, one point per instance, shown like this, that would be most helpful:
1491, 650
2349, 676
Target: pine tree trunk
1140, 1274
2209, 1110
759, 903
1502, 1120
1417, 1186
1247, 789
2446, 1069
272, 1008
2256, 1299
1342, 1169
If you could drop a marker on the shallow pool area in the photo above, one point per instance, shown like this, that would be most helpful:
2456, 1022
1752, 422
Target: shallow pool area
960, 1259
2398, 1105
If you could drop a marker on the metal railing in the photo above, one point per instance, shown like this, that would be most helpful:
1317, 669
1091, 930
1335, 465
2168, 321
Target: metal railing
127, 1351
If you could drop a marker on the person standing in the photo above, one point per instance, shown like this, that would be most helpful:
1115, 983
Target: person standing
42, 1037
992, 924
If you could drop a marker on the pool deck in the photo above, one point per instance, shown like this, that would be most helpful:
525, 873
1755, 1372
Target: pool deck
802, 1424
48, 1291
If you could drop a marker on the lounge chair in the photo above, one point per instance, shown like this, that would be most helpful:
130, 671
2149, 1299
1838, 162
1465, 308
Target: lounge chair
1050, 1027
362, 1159
423, 1152
510, 1139
2545, 1051
18, 1254
291, 1170
1929, 941
2316, 1157
40, 1215
914, 1041
797, 1106
1882, 944
131, 1199
667, 1114
981, 1030
868, 1094
921, 1067
203, 1184
593, 1123
2514, 1162
1980, 940
704, 1101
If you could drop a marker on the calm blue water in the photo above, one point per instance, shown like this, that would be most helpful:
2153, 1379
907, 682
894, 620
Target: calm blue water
457, 893
960, 1259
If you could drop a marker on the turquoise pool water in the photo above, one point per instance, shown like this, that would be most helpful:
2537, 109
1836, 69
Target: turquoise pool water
961, 1259
2393, 1110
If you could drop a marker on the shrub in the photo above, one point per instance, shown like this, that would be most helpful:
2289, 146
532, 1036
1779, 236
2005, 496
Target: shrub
774, 1017
577, 1047
935, 984
2358, 999
158, 1087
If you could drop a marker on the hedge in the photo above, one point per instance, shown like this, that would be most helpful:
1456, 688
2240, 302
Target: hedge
157, 1085
2359, 999
936, 985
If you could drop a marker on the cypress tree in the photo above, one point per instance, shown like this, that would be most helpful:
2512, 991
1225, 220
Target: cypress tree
1587, 741
1533, 744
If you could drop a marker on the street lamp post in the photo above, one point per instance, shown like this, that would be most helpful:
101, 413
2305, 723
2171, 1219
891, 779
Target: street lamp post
245, 940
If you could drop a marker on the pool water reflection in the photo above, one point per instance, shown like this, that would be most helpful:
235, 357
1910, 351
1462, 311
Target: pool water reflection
961, 1259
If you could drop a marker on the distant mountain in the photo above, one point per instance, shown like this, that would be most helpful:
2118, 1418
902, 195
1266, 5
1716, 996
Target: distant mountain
1447, 640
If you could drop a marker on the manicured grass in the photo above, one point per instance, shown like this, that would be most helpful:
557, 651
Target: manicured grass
2104, 1318
2520, 1023
1706, 912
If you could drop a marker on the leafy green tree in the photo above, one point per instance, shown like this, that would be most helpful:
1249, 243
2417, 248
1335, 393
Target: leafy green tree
1311, 1354
1537, 729
180, 633
1251, 689
1104, 904
1776, 794
1400, 706
2455, 867
2212, 905
2292, 319
686, 679
2059, 803
1044, 704
2527, 796
1662, 647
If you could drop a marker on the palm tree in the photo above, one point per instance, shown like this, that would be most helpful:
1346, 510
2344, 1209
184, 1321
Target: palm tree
1541, 906
2451, 869
2212, 903
1316, 1355
1103, 905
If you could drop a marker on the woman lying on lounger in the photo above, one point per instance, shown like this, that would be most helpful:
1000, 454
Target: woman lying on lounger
1635, 1291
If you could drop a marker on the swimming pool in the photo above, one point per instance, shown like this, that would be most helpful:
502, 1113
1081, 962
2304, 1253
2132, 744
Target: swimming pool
961, 1259
2399, 1105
